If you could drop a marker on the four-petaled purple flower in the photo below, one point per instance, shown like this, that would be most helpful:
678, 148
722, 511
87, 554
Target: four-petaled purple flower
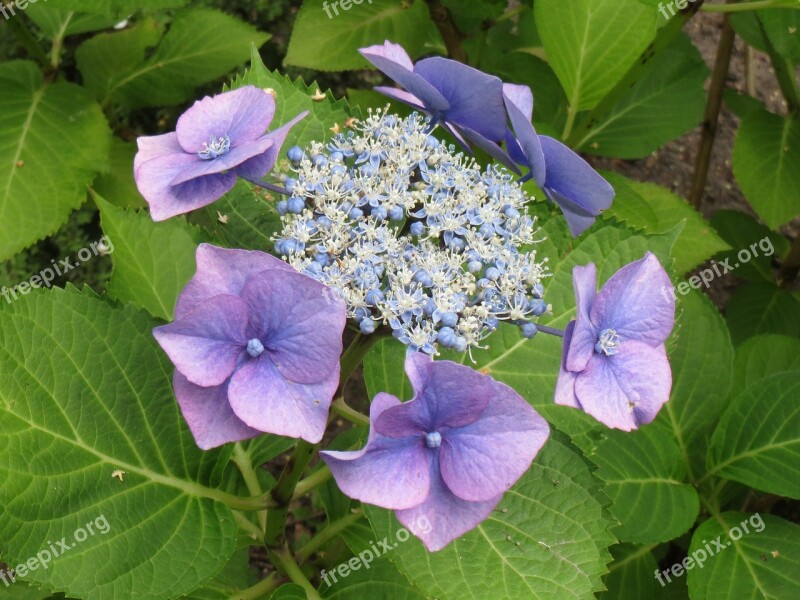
459, 97
448, 455
256, 347
216, 140
614, 364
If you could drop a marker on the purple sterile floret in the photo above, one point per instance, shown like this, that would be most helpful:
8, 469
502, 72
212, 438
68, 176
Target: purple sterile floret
217, 140
256, 348
453, 93
448, 455
614, 364
567, 180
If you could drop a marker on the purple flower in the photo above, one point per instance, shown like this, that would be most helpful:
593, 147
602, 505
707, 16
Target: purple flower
462, 98
447, 456
566, 179
216, 140
614, 364
256, 347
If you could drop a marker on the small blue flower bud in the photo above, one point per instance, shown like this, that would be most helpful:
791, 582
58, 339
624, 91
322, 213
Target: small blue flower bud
295, 154
338, 170
529, 330
446, 337
396, 213
255, 348
319, 160
296, 205
380, 213
417, 228
374, 297
423, 277
290, 183
449, 319
337, 157
282, 207
356, 214
367, 326
433, 439
493, 273
474, 266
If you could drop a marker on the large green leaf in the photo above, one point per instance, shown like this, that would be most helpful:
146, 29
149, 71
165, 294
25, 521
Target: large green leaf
762, 564
57, 24
293, 97
326, 37
747, 236
665, 103
702, 362
118, 7
765, 158
378, 579
592, 43
759, 307
644, 473
53, 140
764, 355
152, 261
117, 185
630, 576
87, 393
243, 218
757, 440
547, 538
201, 45
655, 209
780, 24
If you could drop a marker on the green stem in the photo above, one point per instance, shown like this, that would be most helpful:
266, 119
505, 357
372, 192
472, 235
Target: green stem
246, 525
283, 559
744, 6
328, 533
354, 356
260, 590
27, 40
242, 460
245, 503
447, 29
311, 482
283, 492
58, 42
341, 408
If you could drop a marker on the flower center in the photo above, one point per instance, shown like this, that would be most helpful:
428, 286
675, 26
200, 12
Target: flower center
216, 147
608, 343
255, 348
433, 439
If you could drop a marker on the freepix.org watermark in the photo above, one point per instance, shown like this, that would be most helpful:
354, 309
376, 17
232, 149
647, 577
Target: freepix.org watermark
709, 549
671, 6
421, 525
46, 276
343, 4
55, 549
7, 8
718, 269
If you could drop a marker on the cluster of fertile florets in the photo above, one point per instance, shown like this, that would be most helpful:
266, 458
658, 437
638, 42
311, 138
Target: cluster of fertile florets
412, 235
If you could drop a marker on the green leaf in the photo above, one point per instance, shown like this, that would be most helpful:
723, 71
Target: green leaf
630, 576
117, 7
765, 158
757, 308
702, 361
289, 591
590, 44
759, 565
294, 97
53, 140
743, 233
664, 104
547, 538
22, 591
86, 392
383, 370
328, 39
780, 24
696, 243
56, 23
152, 261
242, 218
644, 473
236, 576
201, 45
757, 440
764, 355
117, 185
380, 579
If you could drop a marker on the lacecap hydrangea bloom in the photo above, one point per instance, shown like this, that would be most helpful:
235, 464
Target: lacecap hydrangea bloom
413, 236
448, 455
614, 363
256, 348
217, 140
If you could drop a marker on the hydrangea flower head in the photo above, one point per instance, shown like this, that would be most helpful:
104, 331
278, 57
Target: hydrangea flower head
614, 364
216, 140
256, 347
567, 180
461, 97
448, 455
413, 236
